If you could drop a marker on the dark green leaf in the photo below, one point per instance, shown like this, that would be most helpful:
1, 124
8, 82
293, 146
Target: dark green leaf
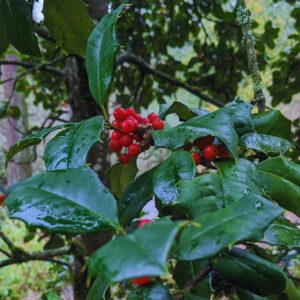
242, 220
50, 295
283, 233
273, 123
179, 166
101, 55
4, 43
156, 292
69, 24
281, 180
218, 123
19, 26
181, 110
33, 139
245, 295
121, 175
265, 143
70, 201
251, 272
135, 197
97, 290
14, 112
70, 147
141, 253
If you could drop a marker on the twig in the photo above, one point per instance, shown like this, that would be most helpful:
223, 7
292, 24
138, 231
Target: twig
4, 252
147, 69
6, 240
243, 17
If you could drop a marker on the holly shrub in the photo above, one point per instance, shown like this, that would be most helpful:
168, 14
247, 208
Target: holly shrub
221, 194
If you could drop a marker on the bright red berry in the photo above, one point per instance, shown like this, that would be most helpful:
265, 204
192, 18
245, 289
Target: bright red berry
116, 135
141, 280
158, 124
203, 141
120, 114
115, 145
196, 158
116, 123
130, 111
134, 150
143, 222
138, 117
124, 158
222, 151
153, 116
2, 198
128, 126
145, 121
210, 151
126, 140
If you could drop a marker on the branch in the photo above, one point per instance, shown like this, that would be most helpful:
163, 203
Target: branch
243, 19
147, 69
26, 65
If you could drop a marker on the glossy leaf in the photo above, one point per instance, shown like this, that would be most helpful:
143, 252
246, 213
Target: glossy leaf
69, 24
273, 123
281, 180
121, 176
70, 201
243, 220
4, 43
282, 233
179, 166
135, 197
97, 290
31, 140
265, 143
242, 116
154, 292
70, 147
101, 55
251, 272
19, 26
148, 248
218, 123
181, 110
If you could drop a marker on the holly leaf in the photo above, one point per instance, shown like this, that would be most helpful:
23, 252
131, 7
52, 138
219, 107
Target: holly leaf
31, 140
70, 147
246, 219
19, 26
265, 143
69, 24
97, 290
219, 124
101, 56
282, 233
4, 43
154, 292
251, 272
70, 201
281, 180
179, 166
148, 248
121, 176
273, 123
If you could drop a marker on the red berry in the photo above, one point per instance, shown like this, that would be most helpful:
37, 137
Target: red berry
115, 145
141, 280
153, 116
116, 123
116, 135
124, 158
158, 124
120, 114
133, 119
196, 158
134, 150
203, 141
222, 151
137, 138
188, 147
145, 121
138, 117
128, 126
210, 151
143, 222
126, 140
2, 198
130, 111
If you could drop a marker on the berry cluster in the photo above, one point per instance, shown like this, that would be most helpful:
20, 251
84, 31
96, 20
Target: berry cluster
2, 198
206, 150
133, 133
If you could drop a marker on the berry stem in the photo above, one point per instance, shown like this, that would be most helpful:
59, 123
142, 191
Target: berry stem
104, 112
111, 126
